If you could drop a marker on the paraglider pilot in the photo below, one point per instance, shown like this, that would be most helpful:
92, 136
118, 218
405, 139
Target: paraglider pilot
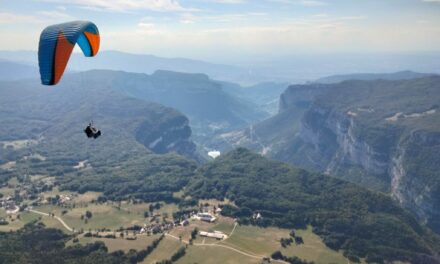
91, 131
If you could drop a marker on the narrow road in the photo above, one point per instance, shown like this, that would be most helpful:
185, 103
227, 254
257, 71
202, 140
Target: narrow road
233, 229
56, 217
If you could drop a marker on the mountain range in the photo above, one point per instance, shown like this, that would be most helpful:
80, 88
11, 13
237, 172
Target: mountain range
49, 115
212, 106
298, 68
401, 75
380, 134
137, 63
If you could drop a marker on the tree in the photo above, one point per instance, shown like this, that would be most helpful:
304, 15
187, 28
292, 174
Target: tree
89, 214
194, 233
277, 255
299, 240
292, 233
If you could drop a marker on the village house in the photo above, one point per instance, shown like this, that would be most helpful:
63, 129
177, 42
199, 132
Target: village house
207, 217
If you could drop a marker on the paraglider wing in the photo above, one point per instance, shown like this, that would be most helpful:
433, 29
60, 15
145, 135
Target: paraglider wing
57, 43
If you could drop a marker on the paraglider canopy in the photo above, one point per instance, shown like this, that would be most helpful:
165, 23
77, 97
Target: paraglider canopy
56, 46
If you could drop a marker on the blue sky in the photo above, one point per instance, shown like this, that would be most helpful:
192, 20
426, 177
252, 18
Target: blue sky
228, 29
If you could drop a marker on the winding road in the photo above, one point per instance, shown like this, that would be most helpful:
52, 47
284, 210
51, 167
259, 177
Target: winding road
56, 217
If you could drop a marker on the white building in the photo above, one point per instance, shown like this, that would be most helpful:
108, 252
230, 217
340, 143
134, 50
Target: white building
206, 217
216, 234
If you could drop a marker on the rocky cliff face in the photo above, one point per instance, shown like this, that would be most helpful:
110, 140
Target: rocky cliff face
330, 142
173, 135
391, 145
414, 175
379, 134
329, 138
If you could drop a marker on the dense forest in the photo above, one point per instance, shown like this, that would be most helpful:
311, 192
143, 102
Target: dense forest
36, 244
363, 223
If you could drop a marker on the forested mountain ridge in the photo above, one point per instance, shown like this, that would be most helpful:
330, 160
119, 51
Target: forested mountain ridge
42, 133
36, 244
401, 75
207, 104
265, 95
54, 113
363, 223
380, 134
209, 108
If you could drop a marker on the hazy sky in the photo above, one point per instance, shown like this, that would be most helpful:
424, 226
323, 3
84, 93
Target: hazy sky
228, 29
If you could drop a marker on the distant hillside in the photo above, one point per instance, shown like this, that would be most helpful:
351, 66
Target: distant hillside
10, 71
402, 75
344, 215
209, 104
210, 109
42, 133
58, 112
292, 69
265, 95
380, 134
138, 63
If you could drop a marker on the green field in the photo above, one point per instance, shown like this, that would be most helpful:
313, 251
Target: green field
109, 215
140, 243
313, 249
7, 191
164, 250
103, 216
257, 240
207, 254
254, 241
14, 223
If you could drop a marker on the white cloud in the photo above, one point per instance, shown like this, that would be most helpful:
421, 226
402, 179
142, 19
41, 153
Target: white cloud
308, 34
188, 18
55, 15
147, 29
40, 18
307, 3
129, 5
12, 18
432, 1
229, 1
312, 3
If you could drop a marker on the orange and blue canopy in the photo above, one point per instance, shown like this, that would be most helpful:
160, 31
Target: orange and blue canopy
57, 43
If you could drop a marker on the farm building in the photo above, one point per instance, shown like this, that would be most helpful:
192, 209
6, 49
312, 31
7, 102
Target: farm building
216, 234
205, 217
